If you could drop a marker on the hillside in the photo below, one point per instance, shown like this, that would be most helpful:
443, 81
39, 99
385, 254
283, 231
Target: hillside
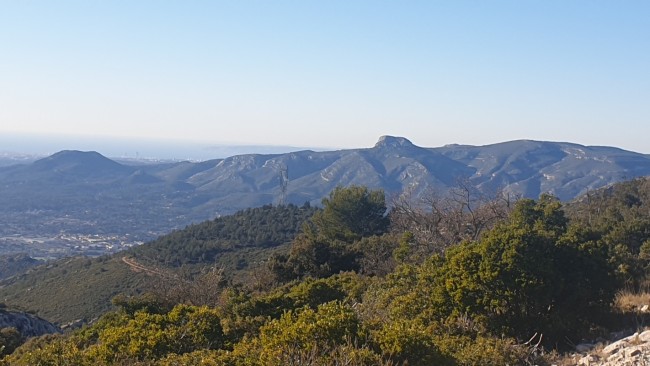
241, 243
72, 194
82, 288
72, 289
251, 229
540, 276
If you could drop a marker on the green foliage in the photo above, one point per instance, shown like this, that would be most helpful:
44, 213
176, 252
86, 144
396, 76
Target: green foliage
410, 292
351, 213
195, 358
530, 274
325, 246
351, 354
330, 324
243, 313
129, 338
376, 254
314, 256
147, 303
523, 277
407, 342
49, 350
266, 226
619, 218
403, 250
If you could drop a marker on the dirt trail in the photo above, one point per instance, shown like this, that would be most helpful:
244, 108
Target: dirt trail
137, 267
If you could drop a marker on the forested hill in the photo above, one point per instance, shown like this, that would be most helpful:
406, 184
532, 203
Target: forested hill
81, 288
262, 227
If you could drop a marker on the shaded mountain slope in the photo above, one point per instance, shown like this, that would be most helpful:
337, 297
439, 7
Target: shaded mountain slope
68, 167
530, 168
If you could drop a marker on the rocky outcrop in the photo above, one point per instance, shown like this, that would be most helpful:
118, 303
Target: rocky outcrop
631, 350
27, 324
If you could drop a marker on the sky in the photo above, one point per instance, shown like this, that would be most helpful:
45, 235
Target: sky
331, 74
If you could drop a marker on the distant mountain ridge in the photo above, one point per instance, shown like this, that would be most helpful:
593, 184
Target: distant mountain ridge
98, 194
534, 167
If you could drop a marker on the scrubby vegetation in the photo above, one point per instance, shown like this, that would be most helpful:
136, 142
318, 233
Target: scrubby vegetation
71, 289
74, 289
462, 281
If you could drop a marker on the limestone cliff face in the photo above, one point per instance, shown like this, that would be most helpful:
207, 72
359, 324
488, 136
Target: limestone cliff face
27, 324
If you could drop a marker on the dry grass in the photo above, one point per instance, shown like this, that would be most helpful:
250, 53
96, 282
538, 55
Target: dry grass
631, 301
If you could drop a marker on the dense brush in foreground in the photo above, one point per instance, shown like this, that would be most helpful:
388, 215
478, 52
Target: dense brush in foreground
468, 282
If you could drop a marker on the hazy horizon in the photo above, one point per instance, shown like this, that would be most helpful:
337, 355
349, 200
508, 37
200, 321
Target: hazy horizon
134, 148
161, 149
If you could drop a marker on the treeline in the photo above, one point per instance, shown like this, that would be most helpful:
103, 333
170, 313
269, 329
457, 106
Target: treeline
265, 226
462, 280
618, 218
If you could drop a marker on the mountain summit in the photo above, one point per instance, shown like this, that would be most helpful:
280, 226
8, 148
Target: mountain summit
393, 141
82, 164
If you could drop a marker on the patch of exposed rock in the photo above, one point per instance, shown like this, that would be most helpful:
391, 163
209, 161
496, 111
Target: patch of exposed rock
631, 350
27, 324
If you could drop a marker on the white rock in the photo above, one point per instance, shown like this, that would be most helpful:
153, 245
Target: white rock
612, 348
633, 350
645, 336
633, 338
615, 359
588, 360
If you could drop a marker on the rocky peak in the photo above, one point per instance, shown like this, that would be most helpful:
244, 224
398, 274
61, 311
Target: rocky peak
393, 141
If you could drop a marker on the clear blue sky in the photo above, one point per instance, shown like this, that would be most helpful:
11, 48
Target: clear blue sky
329, 73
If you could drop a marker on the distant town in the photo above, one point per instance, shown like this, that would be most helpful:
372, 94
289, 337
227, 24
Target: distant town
65, 245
